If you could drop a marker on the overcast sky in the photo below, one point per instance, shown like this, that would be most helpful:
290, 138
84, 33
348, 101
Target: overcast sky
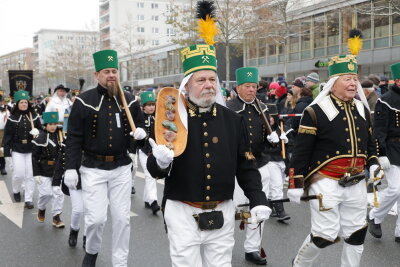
20, 19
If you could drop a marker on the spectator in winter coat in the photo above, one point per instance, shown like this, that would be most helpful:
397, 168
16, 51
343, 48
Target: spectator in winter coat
312, 82
306, 97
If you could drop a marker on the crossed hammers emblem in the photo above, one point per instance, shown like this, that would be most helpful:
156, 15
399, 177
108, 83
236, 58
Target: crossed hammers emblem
205, 59
249, 74
110, 58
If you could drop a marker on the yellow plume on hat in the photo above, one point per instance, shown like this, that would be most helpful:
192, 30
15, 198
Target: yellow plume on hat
206, 25
354, 43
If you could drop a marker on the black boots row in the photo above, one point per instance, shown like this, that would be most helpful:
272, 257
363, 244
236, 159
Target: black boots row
278, 211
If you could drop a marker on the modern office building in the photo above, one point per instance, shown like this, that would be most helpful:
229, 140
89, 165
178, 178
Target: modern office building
319, 29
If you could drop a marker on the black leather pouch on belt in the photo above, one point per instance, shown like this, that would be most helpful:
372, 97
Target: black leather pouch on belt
348, 180
209, 220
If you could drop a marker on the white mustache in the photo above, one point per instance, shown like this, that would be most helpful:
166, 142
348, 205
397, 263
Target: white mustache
207, 91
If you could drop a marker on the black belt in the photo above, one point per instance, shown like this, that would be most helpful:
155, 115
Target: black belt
349, 180
105, 158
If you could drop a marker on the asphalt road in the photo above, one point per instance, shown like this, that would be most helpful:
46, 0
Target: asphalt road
41, 245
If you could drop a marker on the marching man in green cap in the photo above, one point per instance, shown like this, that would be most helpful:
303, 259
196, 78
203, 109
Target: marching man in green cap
387, 133
333, 147
252, 111
98, 126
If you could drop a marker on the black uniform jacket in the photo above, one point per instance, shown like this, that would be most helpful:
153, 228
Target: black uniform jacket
341, 130
255, 127
45, 152
149, 128
201, 172
387, 125
16, 133
98, 126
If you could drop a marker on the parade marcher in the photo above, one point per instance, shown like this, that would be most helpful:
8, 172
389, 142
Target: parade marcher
18, 134
333, 146
45, 153
4, 114
246, 106
387, 134
59, 102
99, 127
148, 101
312, 82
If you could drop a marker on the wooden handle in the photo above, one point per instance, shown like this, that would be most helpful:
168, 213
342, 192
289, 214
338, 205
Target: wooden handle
127, 111
31, 120
283, 141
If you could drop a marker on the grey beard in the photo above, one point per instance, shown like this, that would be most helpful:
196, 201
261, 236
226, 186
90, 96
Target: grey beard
203, 103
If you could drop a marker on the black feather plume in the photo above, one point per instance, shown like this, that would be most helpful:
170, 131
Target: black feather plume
355, 32
205, 8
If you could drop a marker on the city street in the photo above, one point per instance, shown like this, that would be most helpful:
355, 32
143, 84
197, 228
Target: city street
40, 244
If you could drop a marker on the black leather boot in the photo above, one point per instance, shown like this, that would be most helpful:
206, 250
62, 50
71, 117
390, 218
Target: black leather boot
84, 242
73, 236
155, 207
17, 197
255, 258
89, 260
374, 228
280, 212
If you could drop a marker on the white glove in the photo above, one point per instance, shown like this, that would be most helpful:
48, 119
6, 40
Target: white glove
260, 213
372, 178
385, 163
34, 132
284, 138
139, 134
38, 179
163, 154
71, 178
273, 138
295, 194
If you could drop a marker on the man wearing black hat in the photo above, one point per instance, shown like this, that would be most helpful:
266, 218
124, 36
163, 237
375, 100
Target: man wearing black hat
384, 84
59, 102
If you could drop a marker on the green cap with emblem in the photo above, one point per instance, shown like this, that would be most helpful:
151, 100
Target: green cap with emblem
146, 97
105, 59
342, 65
198, 57
50, 117
223, 91
246, 75
19, 95
395, 69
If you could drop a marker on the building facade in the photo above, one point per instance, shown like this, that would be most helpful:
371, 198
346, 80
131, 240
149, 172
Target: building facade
62, 57
319, 29
22, 59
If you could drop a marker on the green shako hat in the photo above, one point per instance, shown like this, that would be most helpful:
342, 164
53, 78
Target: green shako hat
50, 117
19, 95
395, 69
146, 97
341, 65
198, 57
105, 59
246, 75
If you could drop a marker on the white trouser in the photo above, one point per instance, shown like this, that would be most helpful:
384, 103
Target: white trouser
100, 188
23, 174
388, 197
134, 165
276, 177
150, 185
185, 238
48, 192
347, 215
77, 209
253, 235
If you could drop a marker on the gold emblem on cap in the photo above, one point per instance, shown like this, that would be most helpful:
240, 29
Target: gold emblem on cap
351, 66
23, 94
110, 58
215, 139
249, 74
205, 59
53, 116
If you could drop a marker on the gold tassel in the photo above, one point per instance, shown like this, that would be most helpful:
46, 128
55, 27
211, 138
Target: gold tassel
207, 29
249, 155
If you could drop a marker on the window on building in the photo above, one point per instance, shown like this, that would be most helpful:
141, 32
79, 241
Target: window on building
262, 47
155, 42
154, 30
140, 41
140, 4
154, 18
140, 29
294, 40
333, 32
154, 5
59, 37
364, 23
140, 17
396, 22
319, 35
171, 32
305, 37
381, 23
